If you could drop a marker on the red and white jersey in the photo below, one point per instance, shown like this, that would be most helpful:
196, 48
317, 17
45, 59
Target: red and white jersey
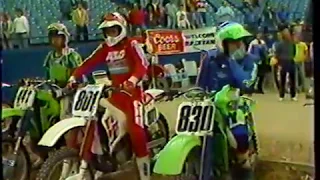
125, 61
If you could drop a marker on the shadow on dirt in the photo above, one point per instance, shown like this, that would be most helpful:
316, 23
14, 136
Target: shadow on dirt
266, 170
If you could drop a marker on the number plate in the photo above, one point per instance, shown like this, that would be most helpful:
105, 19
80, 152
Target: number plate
86, 101
195, 118
24, 98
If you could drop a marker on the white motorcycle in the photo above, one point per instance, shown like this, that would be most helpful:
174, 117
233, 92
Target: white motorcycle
104, 143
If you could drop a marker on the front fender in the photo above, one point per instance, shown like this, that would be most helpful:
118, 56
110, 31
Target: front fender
53, 134
171, 159
10, 112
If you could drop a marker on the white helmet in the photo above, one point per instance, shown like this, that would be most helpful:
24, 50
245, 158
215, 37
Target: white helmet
114, 19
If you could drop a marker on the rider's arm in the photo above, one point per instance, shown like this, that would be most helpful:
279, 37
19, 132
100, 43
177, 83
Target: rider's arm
47, 66
99, 55
244, 75
75, 60
202, 79
140, 64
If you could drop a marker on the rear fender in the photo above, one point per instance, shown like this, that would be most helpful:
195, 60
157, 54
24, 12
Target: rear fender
171, 159
51, 137
10, 112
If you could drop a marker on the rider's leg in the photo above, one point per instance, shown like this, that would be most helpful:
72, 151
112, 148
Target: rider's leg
135, 130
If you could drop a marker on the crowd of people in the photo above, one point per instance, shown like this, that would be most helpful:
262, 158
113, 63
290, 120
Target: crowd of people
289, 59
15, 32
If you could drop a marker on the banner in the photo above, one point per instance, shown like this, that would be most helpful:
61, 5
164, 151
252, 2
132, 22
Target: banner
164, 41
199, 39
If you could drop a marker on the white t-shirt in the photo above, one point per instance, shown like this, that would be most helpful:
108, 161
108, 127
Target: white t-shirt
21, 25
255, 42
182, 19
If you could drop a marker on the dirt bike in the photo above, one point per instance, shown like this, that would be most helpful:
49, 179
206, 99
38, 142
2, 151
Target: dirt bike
202, 147
105, 145
35, 109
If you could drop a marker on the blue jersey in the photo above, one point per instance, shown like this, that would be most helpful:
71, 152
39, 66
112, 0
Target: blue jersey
216, 72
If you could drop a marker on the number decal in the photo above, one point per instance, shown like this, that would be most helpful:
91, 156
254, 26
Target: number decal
24, 98
195, 118
86, 100
79, 101
184, 118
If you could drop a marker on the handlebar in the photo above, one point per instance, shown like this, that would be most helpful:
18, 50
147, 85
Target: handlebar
28, 81
195, 93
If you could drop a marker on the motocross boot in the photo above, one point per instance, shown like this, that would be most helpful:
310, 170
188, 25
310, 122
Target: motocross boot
143, 164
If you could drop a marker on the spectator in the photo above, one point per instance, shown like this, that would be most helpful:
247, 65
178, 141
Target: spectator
202, 11
283, 15
259, 48
300, 58
84, 3
65, 9
5, 30
269, 19
136, 18
225, 13
250, 18
284, 53
297, 28
274, 62
311, 51
192, 13
151, 19
156, 11
21, 29
171, 12
81, 19
182, 19
269, 40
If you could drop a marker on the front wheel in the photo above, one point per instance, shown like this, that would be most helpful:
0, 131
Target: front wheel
158, 131
191, 166
62, 164
15, 167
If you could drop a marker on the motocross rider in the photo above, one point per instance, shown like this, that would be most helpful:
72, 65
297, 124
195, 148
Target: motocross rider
127, 65
59, 64
230, 65
61, 61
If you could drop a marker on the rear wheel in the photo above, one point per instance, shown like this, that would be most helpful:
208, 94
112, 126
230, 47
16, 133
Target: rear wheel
62, 163
15, 167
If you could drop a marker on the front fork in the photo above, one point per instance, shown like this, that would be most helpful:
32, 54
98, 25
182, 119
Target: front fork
22, 130
85, 153
206, 162
25, 124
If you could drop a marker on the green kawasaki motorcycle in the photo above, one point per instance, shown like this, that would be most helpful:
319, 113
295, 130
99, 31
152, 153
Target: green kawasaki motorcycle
34, 110
210, 128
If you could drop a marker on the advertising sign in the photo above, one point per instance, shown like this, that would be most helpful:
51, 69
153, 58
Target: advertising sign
199, 39
164, 41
